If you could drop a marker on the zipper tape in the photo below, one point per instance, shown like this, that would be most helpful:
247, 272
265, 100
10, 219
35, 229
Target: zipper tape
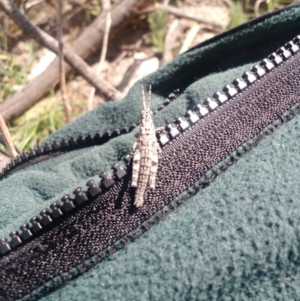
102, 219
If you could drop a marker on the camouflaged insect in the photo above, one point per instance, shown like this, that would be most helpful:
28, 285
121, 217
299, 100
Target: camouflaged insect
146, 150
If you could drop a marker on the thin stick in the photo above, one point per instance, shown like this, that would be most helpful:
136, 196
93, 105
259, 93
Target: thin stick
85, 46
179, 13
106, 9
256, 7
63, 90
171, 35
71, 57
8, 141
4, 160
189, 38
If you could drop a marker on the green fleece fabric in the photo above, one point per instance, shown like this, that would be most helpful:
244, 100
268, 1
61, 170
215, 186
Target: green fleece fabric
238, 239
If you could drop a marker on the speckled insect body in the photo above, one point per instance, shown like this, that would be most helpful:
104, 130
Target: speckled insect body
146, 150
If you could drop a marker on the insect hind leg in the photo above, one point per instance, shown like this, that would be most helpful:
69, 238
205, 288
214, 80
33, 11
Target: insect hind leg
153, 172
135, 168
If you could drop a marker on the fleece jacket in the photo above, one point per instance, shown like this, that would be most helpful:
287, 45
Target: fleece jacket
236, 239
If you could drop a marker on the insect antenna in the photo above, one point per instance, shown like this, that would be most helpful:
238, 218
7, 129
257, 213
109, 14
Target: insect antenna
144, 99
149, 97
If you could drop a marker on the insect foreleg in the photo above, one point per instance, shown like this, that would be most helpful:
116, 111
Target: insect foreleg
160, 129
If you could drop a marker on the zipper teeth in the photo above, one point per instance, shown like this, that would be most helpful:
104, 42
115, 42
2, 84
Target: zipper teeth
68, 204
219, 98
67, 144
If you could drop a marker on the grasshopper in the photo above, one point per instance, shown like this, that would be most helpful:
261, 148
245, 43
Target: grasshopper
146, 150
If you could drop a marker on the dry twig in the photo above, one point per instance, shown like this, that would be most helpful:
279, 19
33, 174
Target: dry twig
179, 13
4, 160
189, 38
47, 41
63, 90
256, 7
86, 45
170, 38
106, 7
8, 141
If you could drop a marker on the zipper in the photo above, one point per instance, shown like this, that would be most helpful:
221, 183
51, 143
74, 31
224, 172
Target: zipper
48, 150
93, 223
